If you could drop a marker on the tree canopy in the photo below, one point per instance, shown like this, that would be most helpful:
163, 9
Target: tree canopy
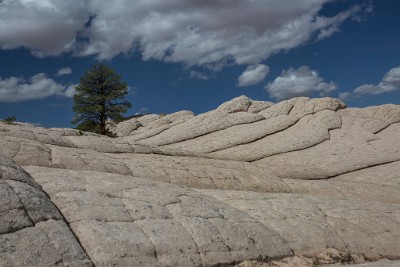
99, 99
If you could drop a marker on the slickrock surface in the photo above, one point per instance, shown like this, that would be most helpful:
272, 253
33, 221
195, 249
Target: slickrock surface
32, 230
303, 182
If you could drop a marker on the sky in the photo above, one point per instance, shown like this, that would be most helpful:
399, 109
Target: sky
196, 54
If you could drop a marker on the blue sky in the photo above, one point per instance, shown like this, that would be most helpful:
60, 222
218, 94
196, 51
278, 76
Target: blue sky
191, 54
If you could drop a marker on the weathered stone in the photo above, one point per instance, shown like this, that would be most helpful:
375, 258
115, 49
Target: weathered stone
12, 212
32, 231
201, 125
257, 106
168, 215
9, 170
203, 173
36, 203
126, 127
238, 104
115, 243
307, 132
49, 243
368, 228
298, 183
349, 148
235, 135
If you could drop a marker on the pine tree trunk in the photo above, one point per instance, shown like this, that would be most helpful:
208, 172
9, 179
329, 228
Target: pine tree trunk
103, 126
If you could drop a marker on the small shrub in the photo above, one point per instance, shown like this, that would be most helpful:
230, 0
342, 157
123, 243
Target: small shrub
111, 134
10, 120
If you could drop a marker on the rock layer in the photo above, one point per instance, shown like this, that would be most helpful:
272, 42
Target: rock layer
291, 183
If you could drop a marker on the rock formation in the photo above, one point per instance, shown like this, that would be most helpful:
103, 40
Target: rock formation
297, 183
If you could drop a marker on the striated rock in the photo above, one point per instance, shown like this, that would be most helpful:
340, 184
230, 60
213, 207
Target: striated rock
126, 127
235, 136
238, 104
302, 182
359, 143
307, 132
257, 106
152, 121
200, 125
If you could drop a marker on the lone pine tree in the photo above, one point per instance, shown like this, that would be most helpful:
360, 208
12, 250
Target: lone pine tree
99, 99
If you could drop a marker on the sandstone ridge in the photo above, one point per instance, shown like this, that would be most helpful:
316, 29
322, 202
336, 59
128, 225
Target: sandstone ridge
298, 183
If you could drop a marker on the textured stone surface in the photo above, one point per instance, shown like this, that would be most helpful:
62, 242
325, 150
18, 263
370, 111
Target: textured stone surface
313, 129
123, 220
360, 142
297, 183
324, 222
32, 230
200, 125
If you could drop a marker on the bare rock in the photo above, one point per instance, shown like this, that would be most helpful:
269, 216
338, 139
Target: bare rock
307, 132
302, 182
32, 230
238, 104
126, 127
356, 145
200, 125
257, 106
183, 228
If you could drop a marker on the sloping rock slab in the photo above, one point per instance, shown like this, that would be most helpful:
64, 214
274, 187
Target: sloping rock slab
32, 231
126, 221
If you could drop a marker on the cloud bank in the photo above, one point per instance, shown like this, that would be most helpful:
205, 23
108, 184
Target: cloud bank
16, 89
192, 32
46, 27
298, 82
253, 74
389, 83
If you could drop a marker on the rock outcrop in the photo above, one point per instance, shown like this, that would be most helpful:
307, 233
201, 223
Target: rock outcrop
297, 183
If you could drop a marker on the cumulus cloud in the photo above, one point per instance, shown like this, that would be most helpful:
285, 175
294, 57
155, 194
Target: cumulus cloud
252, 75
69, 91
198, 75
64, 71
345, 96
189, 31
46, 27
389, 83
16, 89
298, 82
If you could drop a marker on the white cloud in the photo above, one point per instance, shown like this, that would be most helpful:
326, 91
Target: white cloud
253, 74
345, 96
70, 91
64, 71
46, 27
198, 75
194, 32
389, 83
298, 82
16, 89
331, 25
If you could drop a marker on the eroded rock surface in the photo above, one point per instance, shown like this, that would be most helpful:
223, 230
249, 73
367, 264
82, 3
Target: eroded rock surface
297, 183
32, 230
